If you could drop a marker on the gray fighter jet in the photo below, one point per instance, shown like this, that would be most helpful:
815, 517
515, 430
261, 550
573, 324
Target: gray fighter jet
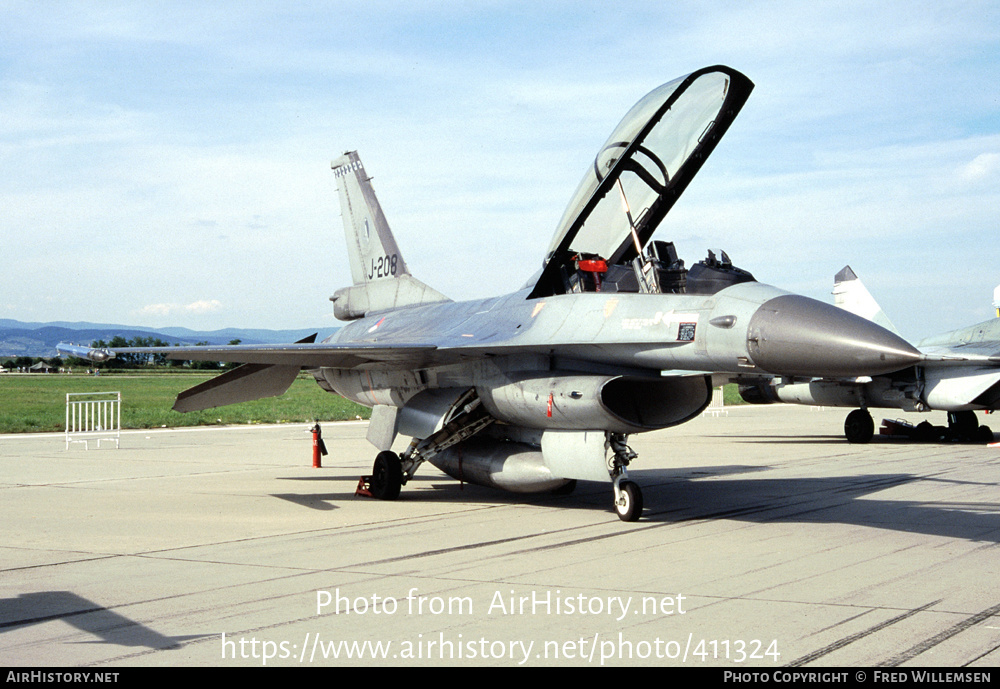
959, 373
614, 335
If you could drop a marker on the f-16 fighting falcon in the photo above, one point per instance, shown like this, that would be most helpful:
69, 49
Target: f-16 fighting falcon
537, 389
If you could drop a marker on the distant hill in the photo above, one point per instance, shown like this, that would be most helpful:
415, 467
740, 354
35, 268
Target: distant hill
40, 339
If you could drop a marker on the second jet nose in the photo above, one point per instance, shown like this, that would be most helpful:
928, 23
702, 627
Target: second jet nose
798, 336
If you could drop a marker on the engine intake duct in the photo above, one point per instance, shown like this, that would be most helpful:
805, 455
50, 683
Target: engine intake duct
759, 391
620, 404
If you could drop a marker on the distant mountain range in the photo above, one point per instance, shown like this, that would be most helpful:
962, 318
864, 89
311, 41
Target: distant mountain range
40, 339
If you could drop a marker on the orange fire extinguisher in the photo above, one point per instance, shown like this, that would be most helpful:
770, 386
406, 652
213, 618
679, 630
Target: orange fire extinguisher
319, 447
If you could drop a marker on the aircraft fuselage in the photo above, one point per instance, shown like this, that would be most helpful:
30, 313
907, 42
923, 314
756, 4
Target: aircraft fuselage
609, 334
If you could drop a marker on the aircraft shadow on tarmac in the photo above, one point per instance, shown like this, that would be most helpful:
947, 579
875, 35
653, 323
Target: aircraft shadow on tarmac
729, 492
107, 625
325, 502
445, 489
782, 439
836, 440
685, 495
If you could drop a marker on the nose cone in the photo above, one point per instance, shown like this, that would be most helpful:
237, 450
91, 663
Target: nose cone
798, 336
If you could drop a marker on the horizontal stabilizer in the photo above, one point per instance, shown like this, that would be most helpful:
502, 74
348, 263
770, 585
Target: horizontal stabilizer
357, 301
243, 384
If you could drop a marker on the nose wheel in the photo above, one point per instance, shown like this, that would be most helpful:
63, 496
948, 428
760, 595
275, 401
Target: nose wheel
628, 496
628, 501
859, 426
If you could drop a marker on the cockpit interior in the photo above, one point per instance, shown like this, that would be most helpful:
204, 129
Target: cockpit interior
657, 270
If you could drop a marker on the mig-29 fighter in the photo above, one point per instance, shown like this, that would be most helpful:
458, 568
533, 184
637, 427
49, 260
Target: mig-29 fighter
959, 373
614, 335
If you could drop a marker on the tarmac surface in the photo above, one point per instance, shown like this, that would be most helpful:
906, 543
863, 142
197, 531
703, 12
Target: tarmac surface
767, 541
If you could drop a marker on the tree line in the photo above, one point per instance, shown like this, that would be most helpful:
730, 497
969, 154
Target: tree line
123, 360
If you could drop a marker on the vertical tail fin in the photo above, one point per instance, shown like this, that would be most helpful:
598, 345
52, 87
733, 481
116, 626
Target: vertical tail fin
371, 247
381, 279
850, 294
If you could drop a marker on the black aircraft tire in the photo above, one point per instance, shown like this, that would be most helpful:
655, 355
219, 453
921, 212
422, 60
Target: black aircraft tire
632, 509
963, 424
859, 426
985, 434
387, 476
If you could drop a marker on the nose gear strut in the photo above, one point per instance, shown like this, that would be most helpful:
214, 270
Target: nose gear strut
628, 496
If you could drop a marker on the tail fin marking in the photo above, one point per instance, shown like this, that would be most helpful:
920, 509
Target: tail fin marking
371, 248
381, 279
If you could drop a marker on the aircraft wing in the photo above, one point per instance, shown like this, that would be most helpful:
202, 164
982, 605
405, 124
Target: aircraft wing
267, 370
342, 356
980, 342
299, 354
945, 356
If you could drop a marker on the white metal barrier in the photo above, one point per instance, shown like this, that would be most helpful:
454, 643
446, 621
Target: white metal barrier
717, 405
93, 416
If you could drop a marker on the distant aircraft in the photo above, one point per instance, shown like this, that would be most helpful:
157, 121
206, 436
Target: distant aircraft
534, 390
959, 373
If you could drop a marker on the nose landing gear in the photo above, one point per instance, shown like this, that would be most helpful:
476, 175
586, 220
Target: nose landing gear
628, 501
859, 426
628, 496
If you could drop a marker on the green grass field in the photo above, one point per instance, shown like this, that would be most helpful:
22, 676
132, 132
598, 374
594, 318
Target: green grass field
731, 393
32, 403
37, 402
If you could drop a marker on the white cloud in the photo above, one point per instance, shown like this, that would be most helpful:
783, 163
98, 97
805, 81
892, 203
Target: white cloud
198, 308
983, 166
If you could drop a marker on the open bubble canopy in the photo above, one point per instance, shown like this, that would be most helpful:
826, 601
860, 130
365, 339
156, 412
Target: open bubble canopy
643, 168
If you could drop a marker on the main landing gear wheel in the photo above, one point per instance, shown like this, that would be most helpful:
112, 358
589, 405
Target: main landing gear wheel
629, 506
964, 427
859, 427
984, 434
963, 423
387, 476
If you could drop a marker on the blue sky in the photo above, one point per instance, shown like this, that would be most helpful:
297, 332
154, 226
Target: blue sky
167, 163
